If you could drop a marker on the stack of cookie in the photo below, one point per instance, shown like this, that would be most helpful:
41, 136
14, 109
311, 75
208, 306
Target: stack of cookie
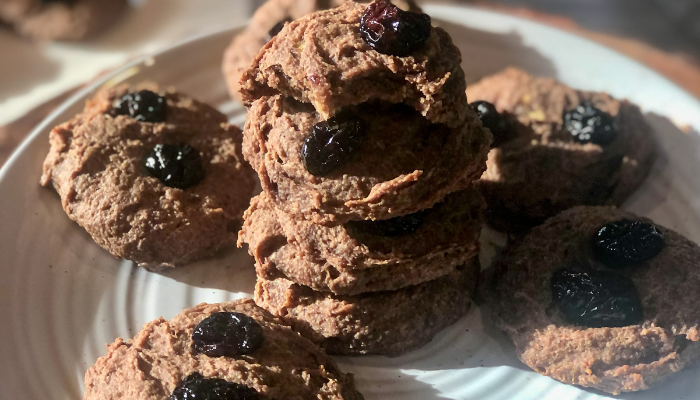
367, 229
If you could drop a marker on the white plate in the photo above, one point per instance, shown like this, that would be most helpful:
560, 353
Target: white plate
62, 297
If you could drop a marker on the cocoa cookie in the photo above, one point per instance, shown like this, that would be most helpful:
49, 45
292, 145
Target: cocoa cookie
601, 298
386, 323
61, 19
267, 21
399, 163
154, 177
557, 147
322, 59
235, 349
365, 256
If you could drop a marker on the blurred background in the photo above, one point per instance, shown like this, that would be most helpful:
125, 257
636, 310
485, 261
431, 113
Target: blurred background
35, 76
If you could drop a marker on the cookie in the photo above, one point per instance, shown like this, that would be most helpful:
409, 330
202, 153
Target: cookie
548, 158
615, 310
365, 256
161, 193
263, 25
386, 323
176, 360
322, 59
404, 164
61, 19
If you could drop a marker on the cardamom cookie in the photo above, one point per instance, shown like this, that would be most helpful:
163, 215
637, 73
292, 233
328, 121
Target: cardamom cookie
154, 177
601, 298
232, 350
267, 21
365, 256
556, 147
61, 19
388, 323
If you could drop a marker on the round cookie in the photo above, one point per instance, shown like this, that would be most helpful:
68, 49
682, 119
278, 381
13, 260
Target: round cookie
538, 169
61, 19
160, 357
246, 45
97, 164
404, 164
386, 323
365, 256
625, 327
322, 59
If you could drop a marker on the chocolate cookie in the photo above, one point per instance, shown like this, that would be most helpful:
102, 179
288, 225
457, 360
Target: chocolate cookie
154, 177
387, 323
601, 298
232, 350
365, 256
267, 21
403, 164
61, 19
323, 60
557, 147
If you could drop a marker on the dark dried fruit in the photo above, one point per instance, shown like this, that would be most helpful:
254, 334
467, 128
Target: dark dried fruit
390, 30
596, 299
624, 243
589, 124
57, 1
227, 334
197, 387
144, 106
397, 226
178, 166
332, 143
275, 30
502, 131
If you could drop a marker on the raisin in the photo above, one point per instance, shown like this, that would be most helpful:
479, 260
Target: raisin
390, 30
332, 143
502, 131
397, 226
625, 242
596, 299
178, 166
275, 30
144, 106
588, 124
227, 334
197, 387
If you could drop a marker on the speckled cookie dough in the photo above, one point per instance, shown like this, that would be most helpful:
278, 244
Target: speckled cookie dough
365, 256
386, 323
262, 27
160, 357
61, 20
97, 164
322, 59
540, 169
405, 163
657, 337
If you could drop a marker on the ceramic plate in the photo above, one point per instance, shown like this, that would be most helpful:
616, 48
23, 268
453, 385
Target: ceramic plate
62, 298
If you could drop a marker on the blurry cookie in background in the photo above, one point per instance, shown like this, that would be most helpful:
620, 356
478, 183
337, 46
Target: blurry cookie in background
267, 21
555, 148
61, 19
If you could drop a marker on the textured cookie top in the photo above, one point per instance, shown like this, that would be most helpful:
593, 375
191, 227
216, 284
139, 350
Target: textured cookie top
60, 20
405, 163
612, 359
365, 256
322, 59
541, 170
97, 166
157, 359
246, 45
